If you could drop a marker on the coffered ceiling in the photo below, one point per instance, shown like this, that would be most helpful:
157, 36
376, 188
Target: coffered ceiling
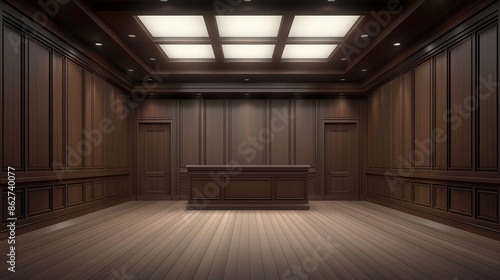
333, 46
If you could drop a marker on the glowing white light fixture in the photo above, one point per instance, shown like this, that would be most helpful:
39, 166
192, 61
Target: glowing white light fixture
188, 51
308, 51
248, 26
322, 26
175, 26
248, 51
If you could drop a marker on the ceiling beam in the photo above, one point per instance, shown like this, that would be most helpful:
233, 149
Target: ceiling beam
352, 88
213, 33
286, 25
246, 71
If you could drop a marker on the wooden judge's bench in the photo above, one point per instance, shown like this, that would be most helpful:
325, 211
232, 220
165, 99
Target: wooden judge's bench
248, 187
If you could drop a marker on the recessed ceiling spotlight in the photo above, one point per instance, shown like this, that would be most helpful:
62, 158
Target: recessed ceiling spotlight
364, 70
199, 94
343, 58
163, 0
131, 70
131, 35
150, 80
246, 80
331, 0
152, 58
99, 44
342, 80
247, 0
397, 44
364, 36
151, 94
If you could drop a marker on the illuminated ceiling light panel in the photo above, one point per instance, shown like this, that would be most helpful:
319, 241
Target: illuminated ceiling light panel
248, 51
188, 51
175, 26
322, 26
248, 26
308, 51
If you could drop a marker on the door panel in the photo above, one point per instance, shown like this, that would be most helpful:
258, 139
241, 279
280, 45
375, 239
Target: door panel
341, 160
154, 161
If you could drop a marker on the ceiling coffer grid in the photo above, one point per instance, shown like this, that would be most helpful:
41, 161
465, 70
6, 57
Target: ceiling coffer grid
248, 37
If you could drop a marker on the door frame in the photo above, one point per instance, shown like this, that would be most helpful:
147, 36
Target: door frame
321, 158
172, 156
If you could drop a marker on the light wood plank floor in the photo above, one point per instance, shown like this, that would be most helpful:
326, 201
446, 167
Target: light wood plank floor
333, 240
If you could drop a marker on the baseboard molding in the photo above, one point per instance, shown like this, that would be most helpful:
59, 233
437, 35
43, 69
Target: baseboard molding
247, 206
28, 227
483, 231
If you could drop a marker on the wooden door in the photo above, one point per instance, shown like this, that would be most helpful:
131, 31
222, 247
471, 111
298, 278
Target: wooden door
341, 161
153, 161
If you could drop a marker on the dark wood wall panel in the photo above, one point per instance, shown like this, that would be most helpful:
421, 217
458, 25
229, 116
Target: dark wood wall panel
422, 194
384, 131
58, 197
215, 140
99, 110
487, 147
407, 193
461, 67
460, 201
450, 127
423, 114
279, 127
407, 119
12, 150
99, 190
89, 124
397, 190
370, 152
441, 106
58, 107
76, 194
89, 191
53, 108
339, 108
38, 106
373, 133
190, 126
247, 131
396, 101
74, 125
487, 205
156, 109
39, 201
440, 197
122, 137
111, 136
111, 188
305, 133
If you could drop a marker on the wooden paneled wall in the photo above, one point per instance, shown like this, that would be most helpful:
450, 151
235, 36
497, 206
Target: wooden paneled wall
248, 132
63, 130
433, 132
